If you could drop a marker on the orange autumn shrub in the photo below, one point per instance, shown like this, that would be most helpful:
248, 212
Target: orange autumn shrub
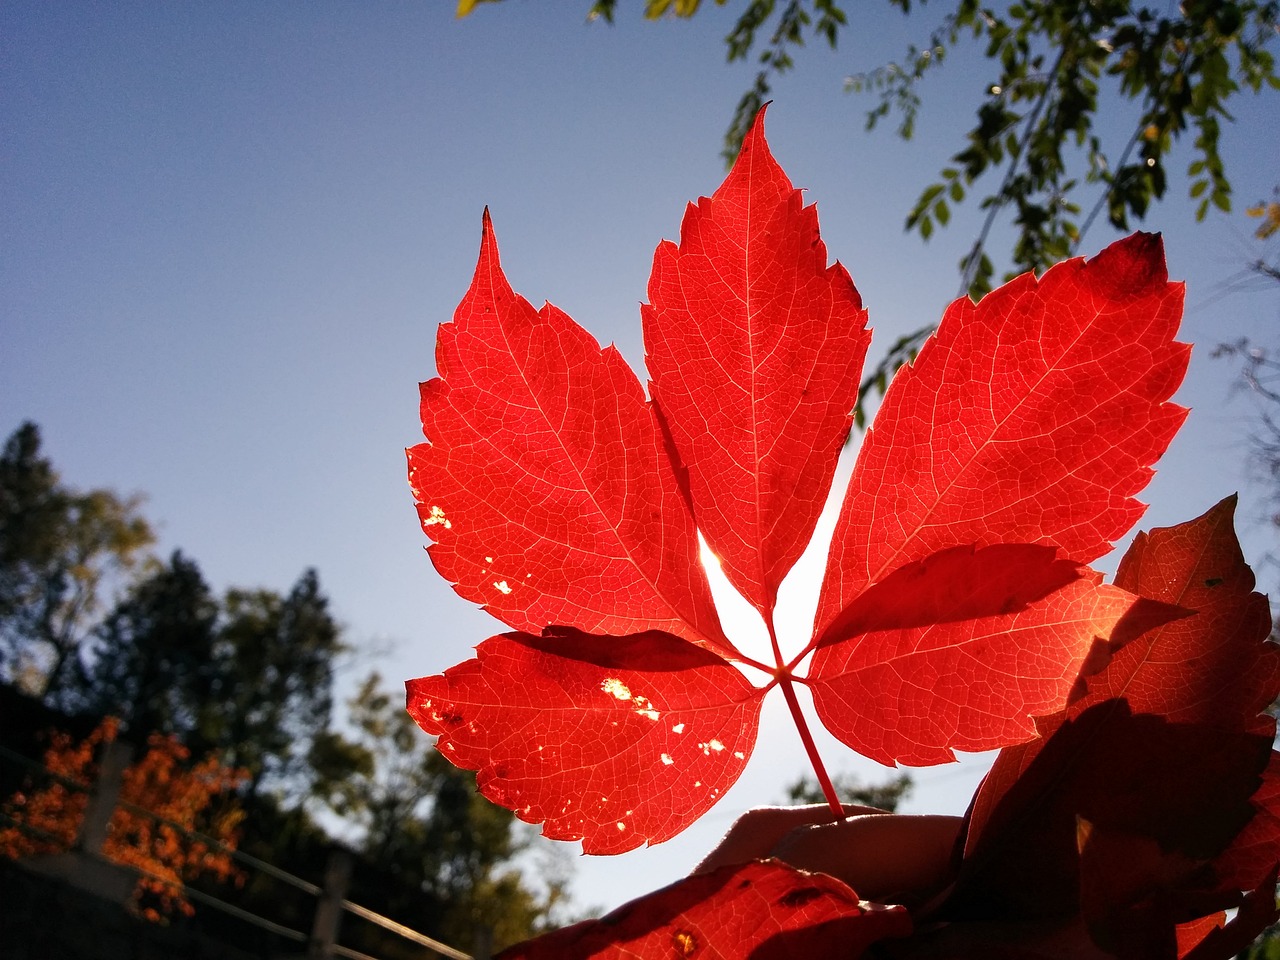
163, 782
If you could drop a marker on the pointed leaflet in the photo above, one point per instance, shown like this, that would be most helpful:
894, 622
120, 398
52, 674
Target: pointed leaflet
1216, 667
1031, 417
761, 910
544, 484
962, 649
754, 347
616, 741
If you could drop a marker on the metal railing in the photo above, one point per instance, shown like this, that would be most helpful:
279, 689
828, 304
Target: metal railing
332, 903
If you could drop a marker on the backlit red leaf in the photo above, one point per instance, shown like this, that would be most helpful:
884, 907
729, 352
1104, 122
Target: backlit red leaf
617, 741
754, 346
1031, 417
544, 484
954, 610
761, 910
1191, 934
963, 649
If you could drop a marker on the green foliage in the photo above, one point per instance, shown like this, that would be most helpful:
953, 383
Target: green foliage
62, 553
422, 819
152, 661
275, 657
883, 796
1266, 947
1034, 126
1180, 65
250, 677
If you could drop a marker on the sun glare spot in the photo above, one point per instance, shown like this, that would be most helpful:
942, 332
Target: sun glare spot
666, 759
502, 586
678, 728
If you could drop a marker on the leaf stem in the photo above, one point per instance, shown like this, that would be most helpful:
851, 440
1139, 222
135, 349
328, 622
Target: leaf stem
783, 678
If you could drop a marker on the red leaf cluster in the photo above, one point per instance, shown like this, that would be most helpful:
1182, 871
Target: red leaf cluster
163, 848
956, 611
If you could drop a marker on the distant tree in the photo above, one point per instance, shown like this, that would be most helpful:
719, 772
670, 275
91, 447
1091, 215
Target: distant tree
152, 663
882, 796
63, 553
250, 677
163, 781
422, 820
274, 662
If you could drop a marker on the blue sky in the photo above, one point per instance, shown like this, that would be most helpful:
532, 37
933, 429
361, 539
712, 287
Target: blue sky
230, 230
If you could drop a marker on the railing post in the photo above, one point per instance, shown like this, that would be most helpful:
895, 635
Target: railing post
104, 794
324, 930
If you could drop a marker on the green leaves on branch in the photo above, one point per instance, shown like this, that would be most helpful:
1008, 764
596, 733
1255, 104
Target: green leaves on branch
1036, 120
1055, 59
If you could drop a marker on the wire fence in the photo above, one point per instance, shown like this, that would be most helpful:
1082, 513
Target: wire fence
331, 901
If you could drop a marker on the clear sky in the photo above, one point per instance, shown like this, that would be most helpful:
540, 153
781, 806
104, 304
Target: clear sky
228, 232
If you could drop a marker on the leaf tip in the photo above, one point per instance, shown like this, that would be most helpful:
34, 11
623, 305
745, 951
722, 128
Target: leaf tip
1131, 268
755, 141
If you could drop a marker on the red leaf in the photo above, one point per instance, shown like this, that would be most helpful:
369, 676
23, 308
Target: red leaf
1031, 417
614, 741
1190, 934
1172, 780
1128, 892
1216, 668
963, 649
762, 910
1186, 787
755, 347
556, 497
1256, 851
1256, 913
545, 485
